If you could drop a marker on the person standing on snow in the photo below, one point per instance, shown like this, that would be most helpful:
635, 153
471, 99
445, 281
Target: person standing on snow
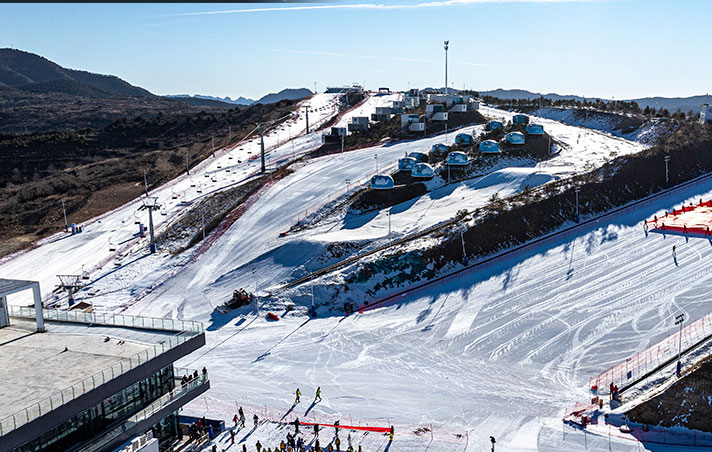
256, 419
242, 417
296, 426
316, 431
299, 395
318, 394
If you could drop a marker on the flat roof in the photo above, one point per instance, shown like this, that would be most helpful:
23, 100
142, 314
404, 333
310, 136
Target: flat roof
35, 366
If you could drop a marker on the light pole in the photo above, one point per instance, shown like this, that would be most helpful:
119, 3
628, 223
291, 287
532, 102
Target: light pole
375, 157
679, 319
446, 47
66, 226
667, 180
577, 190
262, 147
306, 110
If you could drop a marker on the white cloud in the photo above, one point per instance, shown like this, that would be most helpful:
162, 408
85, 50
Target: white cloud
374, 6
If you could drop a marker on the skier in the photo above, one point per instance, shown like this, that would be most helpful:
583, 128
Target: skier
390, 434
684, 228
492, 440
316, 431
258, 446
316, 445
232, 437
282, 446
300, 443
299, 394
348, 439
234, 420
674, 253
242, 417
336, 428
244, 447
338, 444
256, 419
296, 426
318, 394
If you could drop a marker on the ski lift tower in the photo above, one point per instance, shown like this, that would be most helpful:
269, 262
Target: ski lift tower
150, 203
70, 284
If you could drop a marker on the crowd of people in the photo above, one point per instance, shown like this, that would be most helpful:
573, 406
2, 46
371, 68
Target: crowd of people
295, 442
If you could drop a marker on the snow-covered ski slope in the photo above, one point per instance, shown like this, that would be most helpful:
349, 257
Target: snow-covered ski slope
368, 107
502, 352
499, 353
62, 254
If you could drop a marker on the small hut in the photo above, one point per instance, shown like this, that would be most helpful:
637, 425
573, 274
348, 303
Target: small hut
457, 158
535, 129
463, 139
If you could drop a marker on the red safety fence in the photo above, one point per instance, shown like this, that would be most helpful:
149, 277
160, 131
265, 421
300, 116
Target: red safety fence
352, 427
650, 359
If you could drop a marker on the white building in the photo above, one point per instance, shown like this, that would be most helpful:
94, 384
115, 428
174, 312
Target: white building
706, 113
416, 127
358, 123
407, 118
439, 116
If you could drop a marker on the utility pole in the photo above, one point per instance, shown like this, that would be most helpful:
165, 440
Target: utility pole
446, 47
464, 256
187, 167
66, 225
202, 220
577, 190
342, 143
667, 179
679, 319
306, 109
151, 204
262, 148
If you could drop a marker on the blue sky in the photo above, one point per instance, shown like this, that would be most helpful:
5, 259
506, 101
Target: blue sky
612, 48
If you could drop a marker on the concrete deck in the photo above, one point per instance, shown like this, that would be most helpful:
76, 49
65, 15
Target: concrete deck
34, 366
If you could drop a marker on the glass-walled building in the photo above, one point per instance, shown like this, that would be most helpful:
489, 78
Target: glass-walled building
90, 382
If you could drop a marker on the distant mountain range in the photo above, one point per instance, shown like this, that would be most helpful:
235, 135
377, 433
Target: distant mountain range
670, 103
239, 101
289, 93
29, 72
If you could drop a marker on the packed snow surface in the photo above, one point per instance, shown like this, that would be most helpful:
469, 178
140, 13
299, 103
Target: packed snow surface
501, 352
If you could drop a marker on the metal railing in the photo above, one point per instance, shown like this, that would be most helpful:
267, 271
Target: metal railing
101, 318
147, 412
185, 330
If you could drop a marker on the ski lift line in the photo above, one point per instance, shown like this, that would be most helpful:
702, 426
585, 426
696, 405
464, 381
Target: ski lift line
215, 234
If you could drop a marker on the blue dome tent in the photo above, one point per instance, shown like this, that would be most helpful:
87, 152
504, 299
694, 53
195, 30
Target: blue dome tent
494, 125
406, 163
457, 158
422, 171
515, 138
381, 182
463, 139
418, 156
489, 147
520, 119
535, 129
